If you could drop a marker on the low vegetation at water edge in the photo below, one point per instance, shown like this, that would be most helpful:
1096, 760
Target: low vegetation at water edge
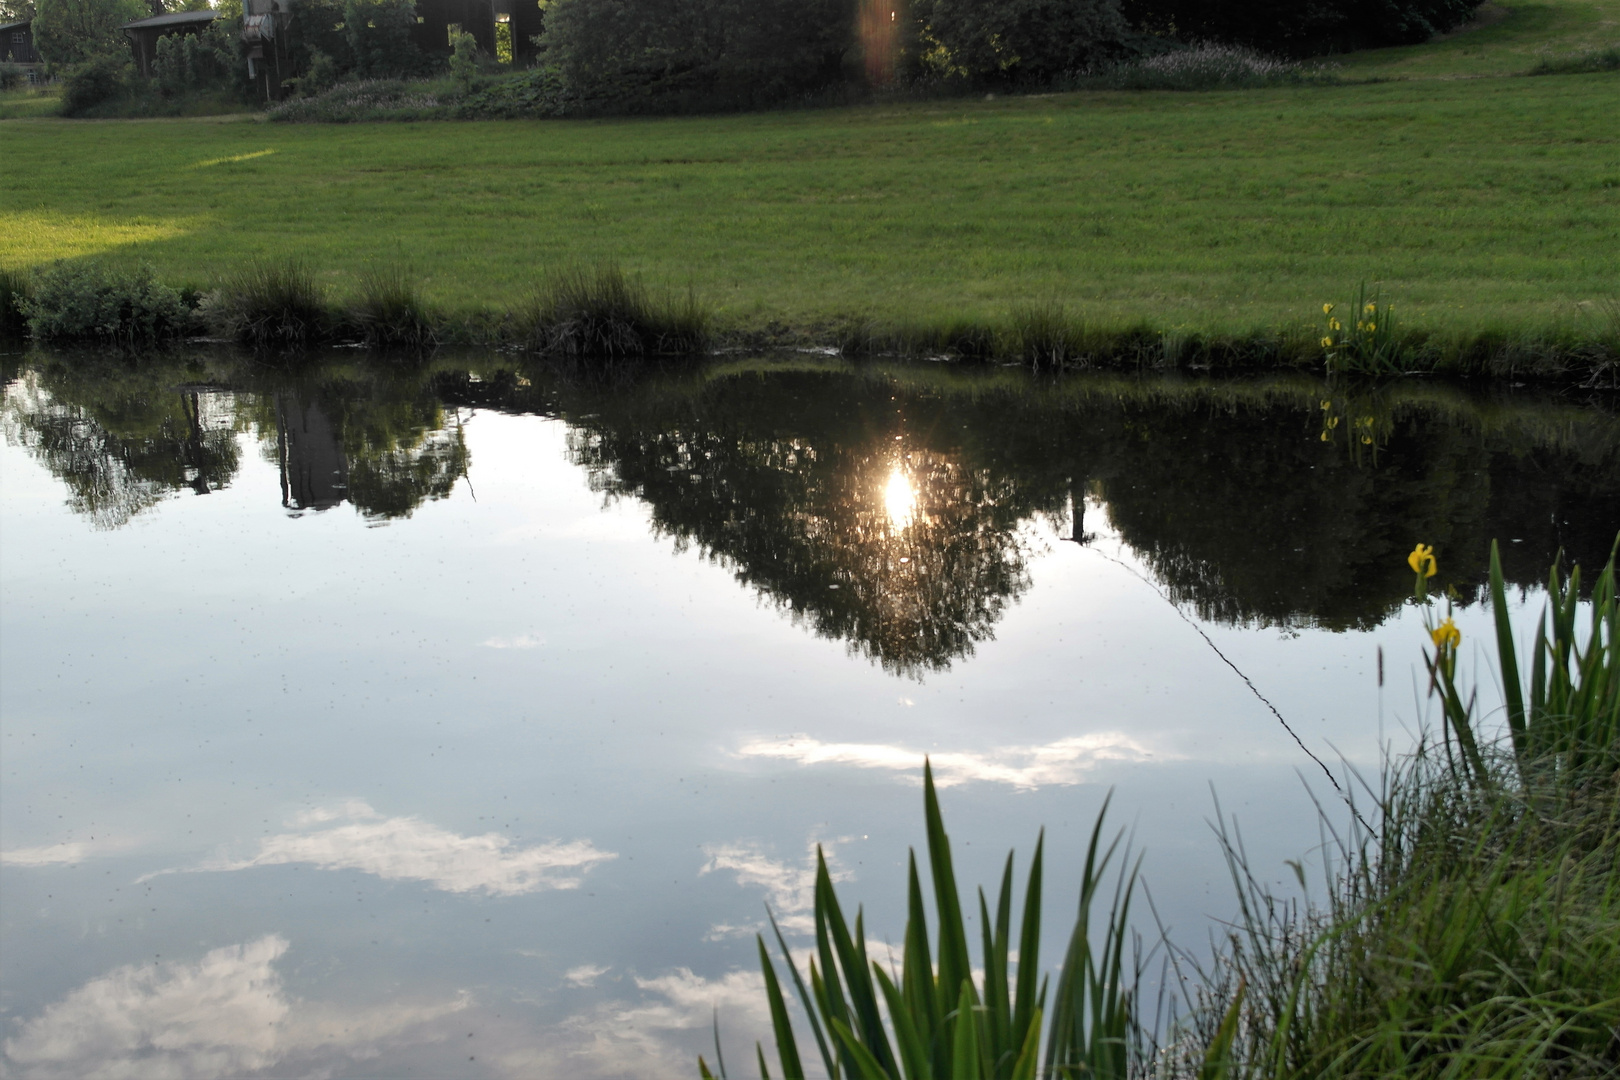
1468, 931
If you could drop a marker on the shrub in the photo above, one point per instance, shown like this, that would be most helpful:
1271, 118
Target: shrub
638, 55
390, 310
378, 33
464, 59
1026, 40
1583, 63
91, 302
602, 313
188, 62
95, 83
1207, 66
369, 99
11, 75
269, 304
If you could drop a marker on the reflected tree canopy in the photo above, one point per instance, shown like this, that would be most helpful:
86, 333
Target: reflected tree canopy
122, 442
897, 509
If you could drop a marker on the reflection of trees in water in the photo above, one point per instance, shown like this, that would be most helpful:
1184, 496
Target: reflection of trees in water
381, 443
891, 509
903, 547
123, 435
121, 445
1230, 496
1247, 516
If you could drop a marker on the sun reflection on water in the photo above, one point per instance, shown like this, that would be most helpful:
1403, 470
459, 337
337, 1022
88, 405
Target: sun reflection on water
899, 500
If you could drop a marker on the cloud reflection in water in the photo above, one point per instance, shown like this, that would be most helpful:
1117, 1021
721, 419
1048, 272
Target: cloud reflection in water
227, 1014
1063, 761
410, 849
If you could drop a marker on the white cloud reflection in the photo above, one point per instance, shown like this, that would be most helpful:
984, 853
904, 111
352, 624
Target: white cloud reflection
225, 1015
658, 1034
410, 849
789, 890
1064, 761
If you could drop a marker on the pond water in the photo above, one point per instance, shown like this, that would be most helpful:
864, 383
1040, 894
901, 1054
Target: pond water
463, 721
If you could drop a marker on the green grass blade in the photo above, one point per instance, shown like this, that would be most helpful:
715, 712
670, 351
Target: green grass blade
965, 1046
810, 1010
954, 965
786, 1048
1506, 654
1029, 948
913, 1049
862, 1065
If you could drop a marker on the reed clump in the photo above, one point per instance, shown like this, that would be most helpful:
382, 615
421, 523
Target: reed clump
270, 305
602, 313
930, 1017
391, 313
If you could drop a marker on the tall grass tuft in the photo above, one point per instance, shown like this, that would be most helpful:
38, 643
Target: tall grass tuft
1207, 66
602, 313
929, 1018
1590, 62
270, 305
390, 311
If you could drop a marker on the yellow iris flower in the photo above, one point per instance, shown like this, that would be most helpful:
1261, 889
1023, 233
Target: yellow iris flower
1446, 635
1422, 561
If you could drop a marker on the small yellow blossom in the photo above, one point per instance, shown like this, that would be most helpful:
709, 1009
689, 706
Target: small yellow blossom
1446, 635
1324, 436
1366, 440
1422, 561
1335, 324
1327, 343
1327, 309
1326, 405
1333, 421
1371, 327
1370, 308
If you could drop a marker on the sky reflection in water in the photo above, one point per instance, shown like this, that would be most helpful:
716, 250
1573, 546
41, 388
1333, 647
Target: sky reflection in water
501, 788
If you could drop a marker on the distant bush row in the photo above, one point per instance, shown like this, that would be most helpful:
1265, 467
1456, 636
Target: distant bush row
600, 313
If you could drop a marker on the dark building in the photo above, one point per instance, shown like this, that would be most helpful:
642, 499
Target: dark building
144, 33
17, 43
434, 18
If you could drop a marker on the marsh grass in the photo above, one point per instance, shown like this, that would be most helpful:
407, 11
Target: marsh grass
390, 312
601, 312
1474, 934
270, 305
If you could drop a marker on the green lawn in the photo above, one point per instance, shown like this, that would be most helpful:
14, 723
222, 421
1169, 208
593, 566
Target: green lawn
1475, 202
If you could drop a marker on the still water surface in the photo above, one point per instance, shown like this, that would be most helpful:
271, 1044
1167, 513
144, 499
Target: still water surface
462, 722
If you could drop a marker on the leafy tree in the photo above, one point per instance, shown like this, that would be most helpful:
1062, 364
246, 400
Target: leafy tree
1026, 40
378, 34
73, 31
640, 54
16, 10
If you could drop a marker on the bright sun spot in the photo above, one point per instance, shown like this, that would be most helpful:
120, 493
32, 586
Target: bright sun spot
899, 500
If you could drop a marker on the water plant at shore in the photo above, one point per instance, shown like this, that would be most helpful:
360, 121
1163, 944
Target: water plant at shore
1473, 933
270, 305
390, 311
90, 301
1468, 932
602, 312
939, 1022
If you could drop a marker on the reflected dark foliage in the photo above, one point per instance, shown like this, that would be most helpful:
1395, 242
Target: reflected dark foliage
897, 509
122, 441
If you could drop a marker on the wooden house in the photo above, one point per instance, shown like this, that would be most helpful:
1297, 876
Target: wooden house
144, 33
17, 43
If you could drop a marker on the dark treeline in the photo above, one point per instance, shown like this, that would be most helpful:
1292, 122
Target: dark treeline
897, 509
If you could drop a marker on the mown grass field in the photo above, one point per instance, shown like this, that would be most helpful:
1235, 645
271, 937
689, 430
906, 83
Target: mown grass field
1473, 201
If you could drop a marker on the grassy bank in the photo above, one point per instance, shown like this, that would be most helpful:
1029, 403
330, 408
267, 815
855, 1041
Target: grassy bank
1479, 205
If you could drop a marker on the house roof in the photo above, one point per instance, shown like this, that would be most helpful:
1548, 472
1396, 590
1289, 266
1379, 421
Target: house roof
23, 25
176, 18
